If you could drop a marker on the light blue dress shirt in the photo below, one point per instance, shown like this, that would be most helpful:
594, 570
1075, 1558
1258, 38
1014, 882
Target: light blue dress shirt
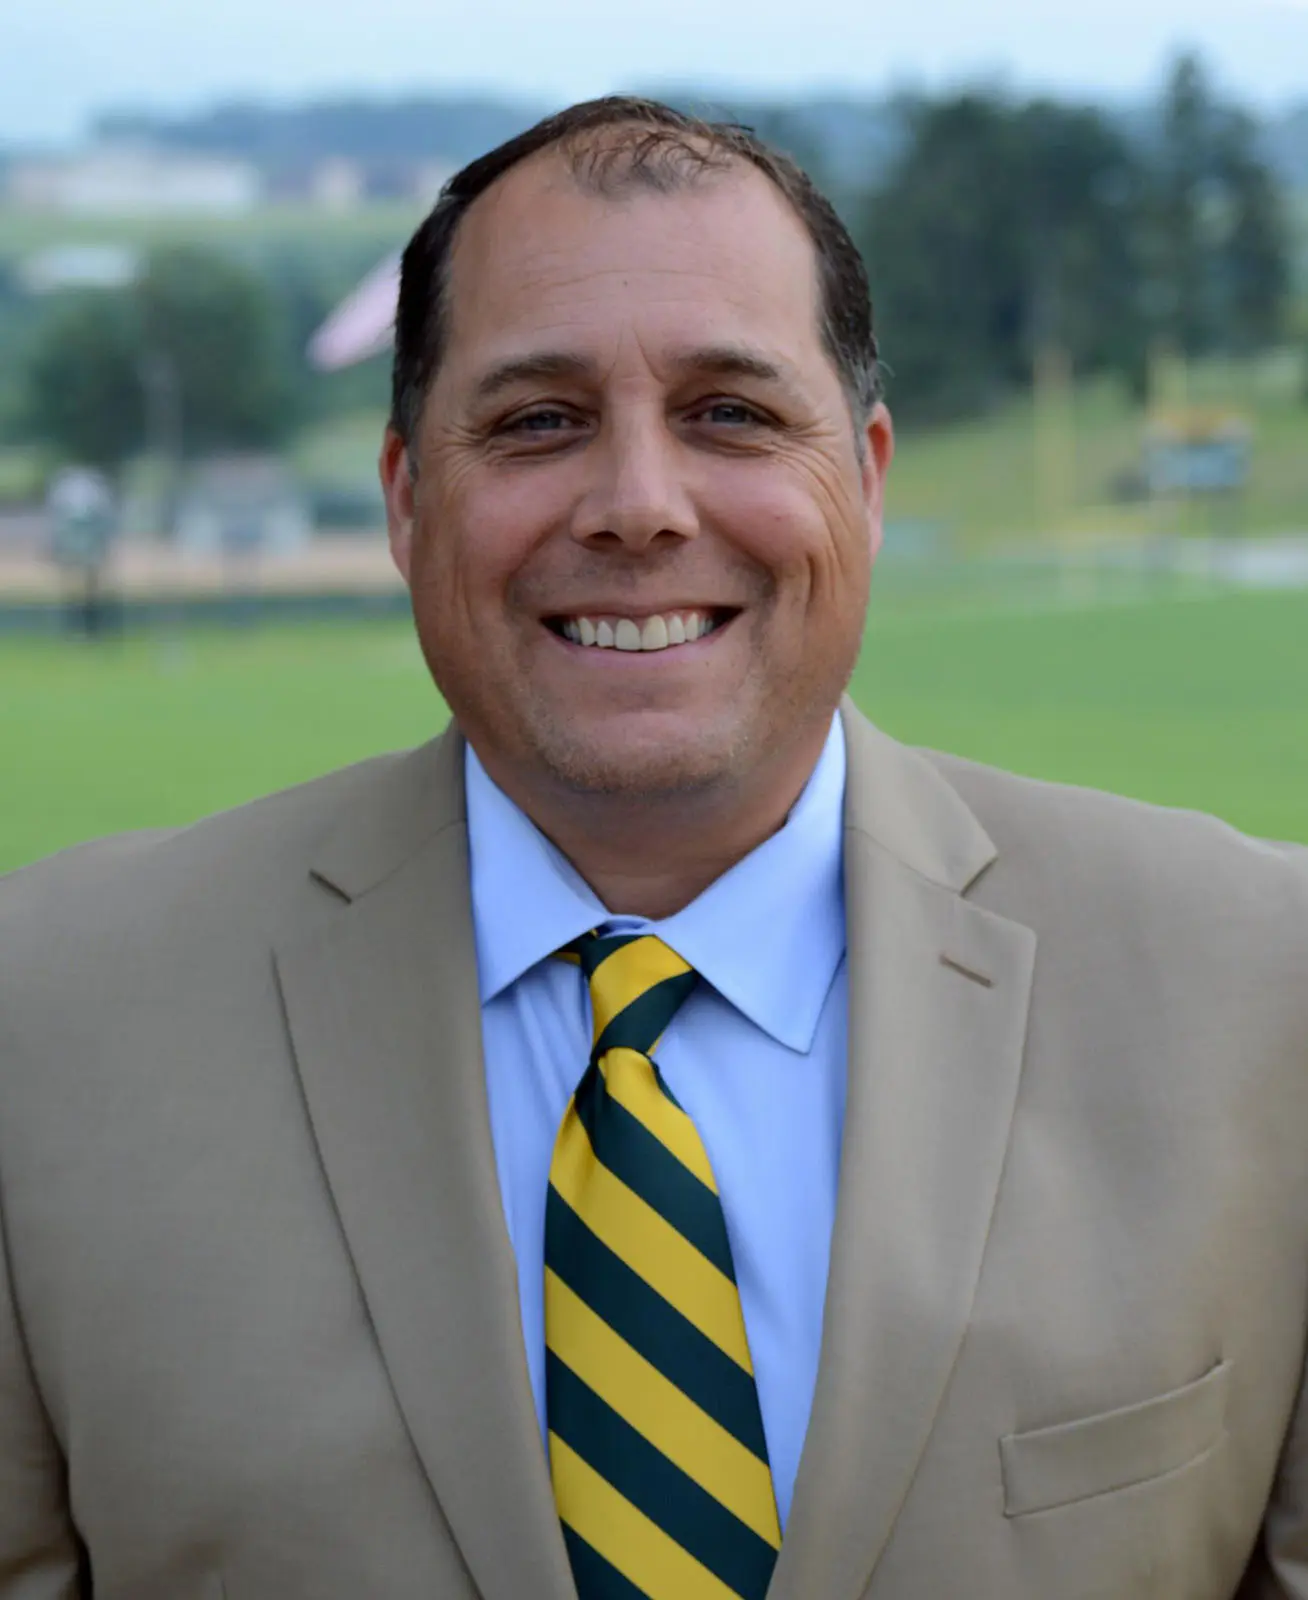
756, 1056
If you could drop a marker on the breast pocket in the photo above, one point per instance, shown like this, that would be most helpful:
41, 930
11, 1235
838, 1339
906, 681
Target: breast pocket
1057, 1466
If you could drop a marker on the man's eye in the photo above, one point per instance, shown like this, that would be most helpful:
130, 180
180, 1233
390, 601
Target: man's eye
734, 413
547, 421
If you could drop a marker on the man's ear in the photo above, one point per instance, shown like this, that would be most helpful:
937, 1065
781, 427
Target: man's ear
878, 453
398, 490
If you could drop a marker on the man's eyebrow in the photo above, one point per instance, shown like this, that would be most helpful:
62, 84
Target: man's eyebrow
529, 369
731, 361
717, 360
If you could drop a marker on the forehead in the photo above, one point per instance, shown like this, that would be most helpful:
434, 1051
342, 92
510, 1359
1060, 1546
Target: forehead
724, 257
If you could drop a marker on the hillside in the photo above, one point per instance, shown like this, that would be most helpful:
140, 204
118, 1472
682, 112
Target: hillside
849, 142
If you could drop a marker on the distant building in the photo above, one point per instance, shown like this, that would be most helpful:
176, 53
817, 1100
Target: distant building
242, 505
130, 179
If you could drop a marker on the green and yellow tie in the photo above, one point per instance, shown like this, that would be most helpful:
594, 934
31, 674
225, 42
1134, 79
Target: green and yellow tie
657, 1452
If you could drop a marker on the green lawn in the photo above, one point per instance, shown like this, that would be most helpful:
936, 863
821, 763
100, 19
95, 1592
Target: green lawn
1197, 702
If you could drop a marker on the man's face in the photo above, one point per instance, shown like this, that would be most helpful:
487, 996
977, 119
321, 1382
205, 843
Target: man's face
636, 436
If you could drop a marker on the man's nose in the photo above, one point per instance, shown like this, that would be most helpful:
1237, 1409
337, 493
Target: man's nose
638, 491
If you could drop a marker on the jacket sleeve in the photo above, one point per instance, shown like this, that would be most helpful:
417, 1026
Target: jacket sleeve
40, 1555
1279, 1569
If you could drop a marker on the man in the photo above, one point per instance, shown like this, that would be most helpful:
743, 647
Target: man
678, 1142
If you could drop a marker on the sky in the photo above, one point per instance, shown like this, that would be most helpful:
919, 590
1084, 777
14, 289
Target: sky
62, 60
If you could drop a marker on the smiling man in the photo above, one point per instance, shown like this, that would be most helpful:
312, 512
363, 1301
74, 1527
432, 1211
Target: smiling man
663, 1138
638, 497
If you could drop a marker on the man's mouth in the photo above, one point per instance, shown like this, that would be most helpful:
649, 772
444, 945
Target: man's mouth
662, 630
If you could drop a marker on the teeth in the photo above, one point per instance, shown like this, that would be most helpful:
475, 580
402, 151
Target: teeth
625, 633
654, 635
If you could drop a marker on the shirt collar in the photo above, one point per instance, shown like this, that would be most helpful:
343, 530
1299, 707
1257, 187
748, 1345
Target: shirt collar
768, 935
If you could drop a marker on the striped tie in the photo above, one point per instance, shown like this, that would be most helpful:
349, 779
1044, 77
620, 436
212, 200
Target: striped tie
657, 1453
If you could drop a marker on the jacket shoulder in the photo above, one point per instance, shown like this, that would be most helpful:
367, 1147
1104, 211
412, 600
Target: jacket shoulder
1128, 858
245, 862
1006, 799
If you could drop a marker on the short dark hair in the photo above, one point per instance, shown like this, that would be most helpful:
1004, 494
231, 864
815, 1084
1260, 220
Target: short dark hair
651, 146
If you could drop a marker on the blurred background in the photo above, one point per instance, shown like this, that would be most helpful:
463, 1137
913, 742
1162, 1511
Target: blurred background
1088, 243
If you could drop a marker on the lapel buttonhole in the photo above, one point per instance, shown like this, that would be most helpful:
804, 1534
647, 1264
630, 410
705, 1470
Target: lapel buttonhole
946, 960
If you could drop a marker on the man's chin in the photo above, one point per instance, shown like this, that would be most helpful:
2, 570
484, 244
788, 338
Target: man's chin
642, 757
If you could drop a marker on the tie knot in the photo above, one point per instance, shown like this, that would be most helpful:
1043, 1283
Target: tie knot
637, 985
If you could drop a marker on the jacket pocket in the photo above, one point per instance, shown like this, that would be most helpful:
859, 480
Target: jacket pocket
1073, 1461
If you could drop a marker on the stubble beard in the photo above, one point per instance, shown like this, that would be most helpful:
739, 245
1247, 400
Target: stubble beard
579, 762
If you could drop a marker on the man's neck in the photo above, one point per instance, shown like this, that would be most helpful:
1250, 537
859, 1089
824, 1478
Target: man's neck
651, 856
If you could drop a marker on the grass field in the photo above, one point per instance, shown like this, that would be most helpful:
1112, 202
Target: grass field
1198, 702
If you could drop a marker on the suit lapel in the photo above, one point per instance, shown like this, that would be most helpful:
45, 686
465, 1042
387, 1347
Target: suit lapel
382, 1002
938, 993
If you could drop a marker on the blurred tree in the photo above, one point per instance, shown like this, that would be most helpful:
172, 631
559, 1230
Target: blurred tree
188, 359
212, 324
1254, 258
14, 330
939, 239
1217, 238
1177, 212
1009, 232
1080, 185
1002, 230
82, 392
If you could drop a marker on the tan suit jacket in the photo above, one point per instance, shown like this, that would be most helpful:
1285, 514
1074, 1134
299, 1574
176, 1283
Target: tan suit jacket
259, 1332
